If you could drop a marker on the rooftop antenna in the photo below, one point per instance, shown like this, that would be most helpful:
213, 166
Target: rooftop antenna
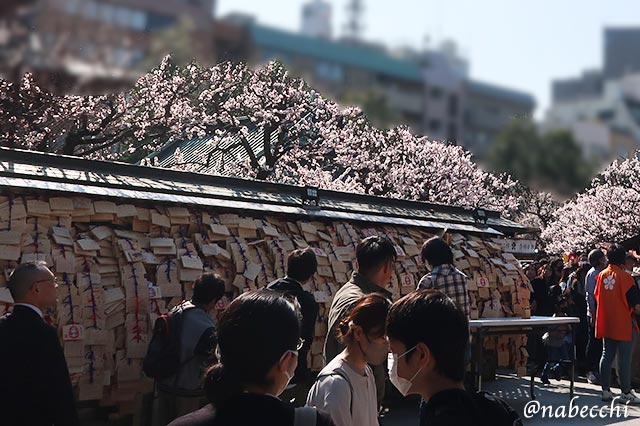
354, 27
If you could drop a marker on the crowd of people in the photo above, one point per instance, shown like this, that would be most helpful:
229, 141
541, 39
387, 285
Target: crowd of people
262, 337
601, 289
250, 366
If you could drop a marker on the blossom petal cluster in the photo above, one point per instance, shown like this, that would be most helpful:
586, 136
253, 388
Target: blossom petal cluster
606, 212
306, 139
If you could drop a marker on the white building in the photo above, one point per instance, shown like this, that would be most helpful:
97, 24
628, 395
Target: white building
316, 19
605, 125
601, 107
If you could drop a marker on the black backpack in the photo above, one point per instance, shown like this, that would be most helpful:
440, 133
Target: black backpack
163, 354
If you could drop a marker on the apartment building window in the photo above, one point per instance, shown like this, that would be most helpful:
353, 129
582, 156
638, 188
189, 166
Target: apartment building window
435, 126
452, 132
329, 71
131, 18
156, 21
468, 115
109, 13
453, 105
634, 109
482, 138
606, 115
493, 110
72, 7
90, 10
436, 92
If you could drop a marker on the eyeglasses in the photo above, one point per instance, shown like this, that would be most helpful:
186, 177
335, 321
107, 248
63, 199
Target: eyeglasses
300, 344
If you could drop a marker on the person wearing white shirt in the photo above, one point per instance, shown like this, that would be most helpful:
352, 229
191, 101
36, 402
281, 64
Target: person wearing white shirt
346, 387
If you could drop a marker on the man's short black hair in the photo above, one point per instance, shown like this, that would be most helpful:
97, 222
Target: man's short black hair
301, 264
616, 254
19, 282
373, 252
208, 288
595, 256
437, 252
434, 319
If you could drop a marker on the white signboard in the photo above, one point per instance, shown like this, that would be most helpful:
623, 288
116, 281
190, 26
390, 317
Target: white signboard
517, 246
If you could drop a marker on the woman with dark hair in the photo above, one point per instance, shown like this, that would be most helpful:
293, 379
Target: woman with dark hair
258, 343
346, 386
556, 266
542, 305
577, 278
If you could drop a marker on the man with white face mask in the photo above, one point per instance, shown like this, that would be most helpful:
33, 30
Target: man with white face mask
428, 336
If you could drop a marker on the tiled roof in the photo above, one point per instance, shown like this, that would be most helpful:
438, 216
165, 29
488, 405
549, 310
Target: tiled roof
33, 171
195, 150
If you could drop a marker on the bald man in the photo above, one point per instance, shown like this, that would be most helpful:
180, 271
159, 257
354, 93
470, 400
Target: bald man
35, 388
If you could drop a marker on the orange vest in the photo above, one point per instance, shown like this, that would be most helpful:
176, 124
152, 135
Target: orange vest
614, 317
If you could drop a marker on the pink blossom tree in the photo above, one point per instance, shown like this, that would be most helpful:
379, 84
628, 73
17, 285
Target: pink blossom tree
306, 138
355, 156
537, 209
284, 110
605, 212
110, 126
400, 164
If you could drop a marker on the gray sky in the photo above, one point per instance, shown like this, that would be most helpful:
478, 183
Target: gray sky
516, 43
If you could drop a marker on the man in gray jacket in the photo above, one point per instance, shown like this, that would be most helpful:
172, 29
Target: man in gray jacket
182, 393
376, 256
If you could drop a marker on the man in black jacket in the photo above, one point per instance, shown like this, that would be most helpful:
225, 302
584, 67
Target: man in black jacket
35, 388
301, 265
